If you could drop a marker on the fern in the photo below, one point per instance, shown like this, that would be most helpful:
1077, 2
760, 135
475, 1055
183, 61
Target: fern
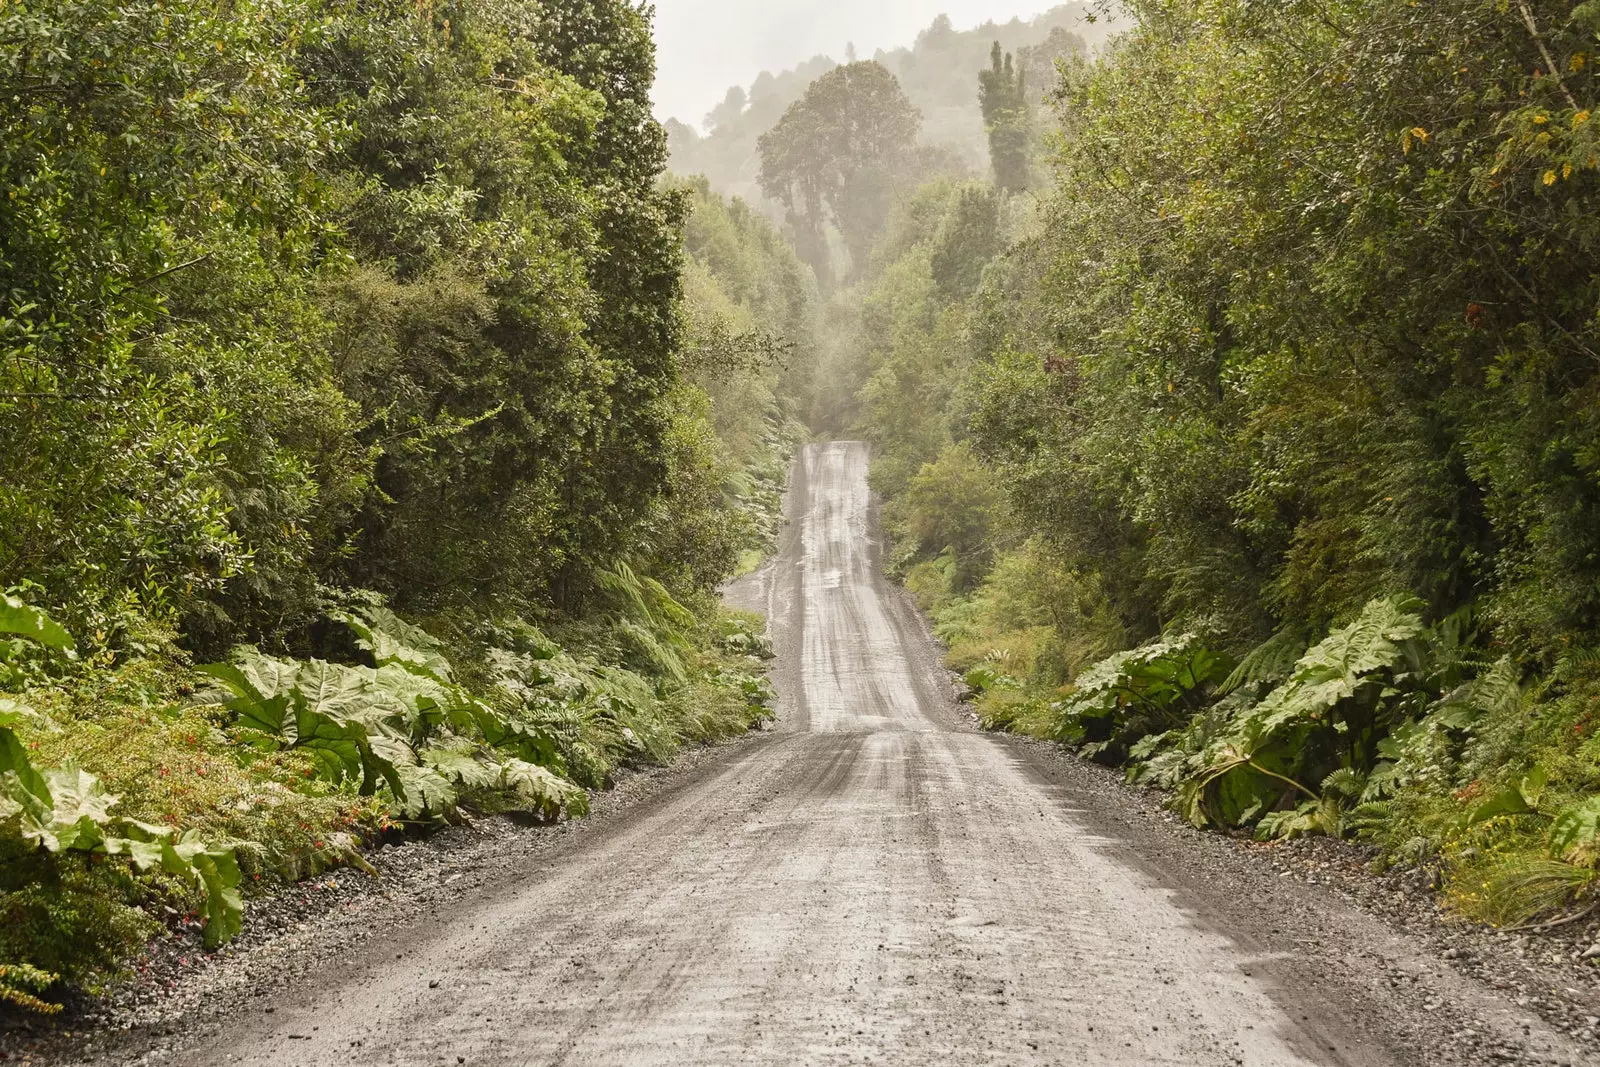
1579, 663
1271, 661
1345, 782
1496, 692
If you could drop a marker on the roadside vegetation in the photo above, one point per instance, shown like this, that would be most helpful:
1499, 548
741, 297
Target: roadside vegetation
1239, 429
376, 426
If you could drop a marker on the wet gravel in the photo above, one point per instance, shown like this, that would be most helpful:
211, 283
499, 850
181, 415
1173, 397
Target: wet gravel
1450, 992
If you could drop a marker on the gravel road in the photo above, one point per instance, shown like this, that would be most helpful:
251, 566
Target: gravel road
877, 882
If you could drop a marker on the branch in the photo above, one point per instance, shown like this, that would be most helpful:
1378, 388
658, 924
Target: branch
1545, 927
1544, 50
172, 270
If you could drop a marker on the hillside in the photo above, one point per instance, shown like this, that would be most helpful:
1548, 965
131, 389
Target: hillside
939, 73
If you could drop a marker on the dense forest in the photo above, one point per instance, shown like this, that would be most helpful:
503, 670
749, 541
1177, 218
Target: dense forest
376, 424
1239, 428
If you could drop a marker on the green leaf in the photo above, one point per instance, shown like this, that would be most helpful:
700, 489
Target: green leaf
261, 689
1587, 14
74, 822
1533, 785
394, 642
1575, 834
544, 792
1506, 802
334, 692
13, 714
215, 871
28, 621
20, 784
424, 791
339, 748
419, 702
462, 765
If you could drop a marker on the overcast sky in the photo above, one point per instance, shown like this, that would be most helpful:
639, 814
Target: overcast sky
708, 45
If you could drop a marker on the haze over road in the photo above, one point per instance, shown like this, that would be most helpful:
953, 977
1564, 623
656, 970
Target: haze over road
872, 882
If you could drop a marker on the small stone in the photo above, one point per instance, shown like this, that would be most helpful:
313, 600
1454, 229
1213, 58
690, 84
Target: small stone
433, 984
1592, 952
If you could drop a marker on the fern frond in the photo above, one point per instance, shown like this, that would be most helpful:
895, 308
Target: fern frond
1579, 663
1271, 661
1346, 783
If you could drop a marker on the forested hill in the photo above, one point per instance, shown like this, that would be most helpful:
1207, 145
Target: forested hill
939, 74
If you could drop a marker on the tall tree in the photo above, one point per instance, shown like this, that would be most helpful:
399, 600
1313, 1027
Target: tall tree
1002, 94
837, 156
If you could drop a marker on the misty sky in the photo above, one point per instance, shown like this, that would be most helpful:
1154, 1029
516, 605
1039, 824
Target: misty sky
708, 45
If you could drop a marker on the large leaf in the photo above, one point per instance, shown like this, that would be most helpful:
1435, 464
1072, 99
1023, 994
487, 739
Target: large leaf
543, 792
1332, 670
28, 621
419, 702
1520, 799
337, 747
335, 692
216, 872
424, 791
79, 812
529, 742
21, 786
461, 764
384, 755
392, 641
261, 689
1575, 834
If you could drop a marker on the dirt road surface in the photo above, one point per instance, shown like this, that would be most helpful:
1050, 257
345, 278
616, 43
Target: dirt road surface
872, 882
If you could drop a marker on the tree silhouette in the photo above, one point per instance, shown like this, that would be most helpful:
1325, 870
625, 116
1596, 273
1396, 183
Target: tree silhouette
1003, 97
837, 156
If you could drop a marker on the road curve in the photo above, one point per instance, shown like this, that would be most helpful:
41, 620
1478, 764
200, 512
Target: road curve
869, 883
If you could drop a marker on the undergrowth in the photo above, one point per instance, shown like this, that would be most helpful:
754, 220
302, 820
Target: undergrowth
1414, 734
139, 789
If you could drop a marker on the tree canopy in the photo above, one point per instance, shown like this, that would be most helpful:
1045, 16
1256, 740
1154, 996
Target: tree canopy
837, 156
1003, 98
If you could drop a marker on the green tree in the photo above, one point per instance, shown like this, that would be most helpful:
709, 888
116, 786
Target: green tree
1307, 349
169, 430
837, 156
1003, 98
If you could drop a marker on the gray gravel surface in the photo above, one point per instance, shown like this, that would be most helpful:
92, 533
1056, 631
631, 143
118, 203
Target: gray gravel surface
874, 882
